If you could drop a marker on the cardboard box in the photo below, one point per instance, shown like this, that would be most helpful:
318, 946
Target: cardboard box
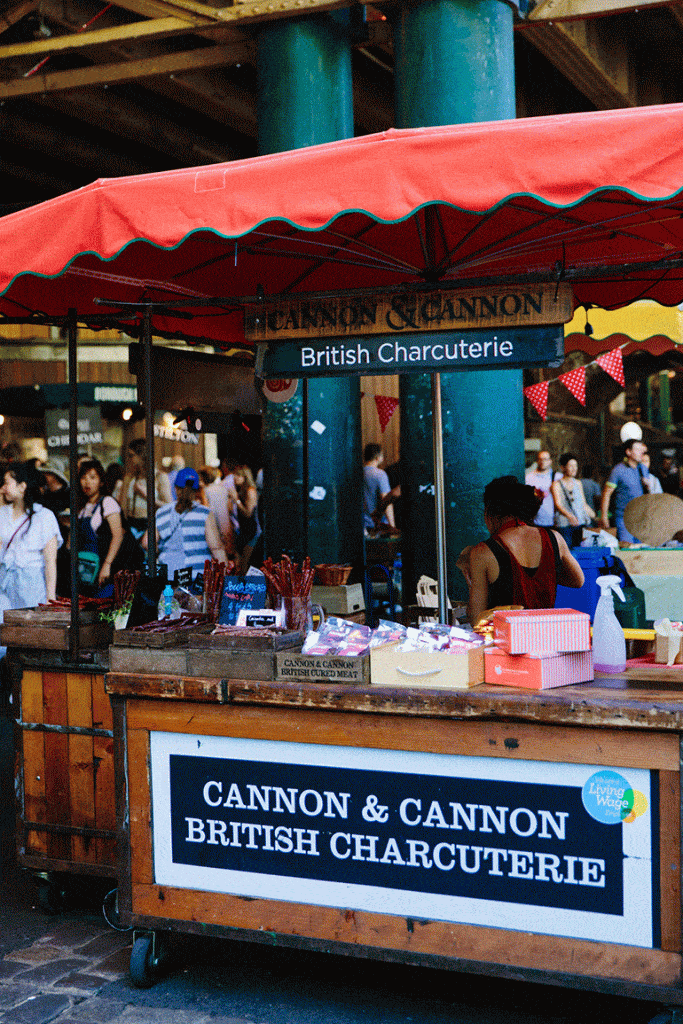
431, 670
662, 649
542, 631
344, 600
537, 671
329, 668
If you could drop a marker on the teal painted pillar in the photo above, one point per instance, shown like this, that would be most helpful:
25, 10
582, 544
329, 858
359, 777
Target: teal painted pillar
312, 443
665, 417
454, 63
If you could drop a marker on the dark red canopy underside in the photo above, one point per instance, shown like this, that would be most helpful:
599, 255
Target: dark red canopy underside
594, 198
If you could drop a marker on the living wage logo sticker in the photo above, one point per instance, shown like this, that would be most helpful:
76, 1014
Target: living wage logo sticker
608, 797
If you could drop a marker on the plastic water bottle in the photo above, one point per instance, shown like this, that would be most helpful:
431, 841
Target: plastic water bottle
168, 608
609, 644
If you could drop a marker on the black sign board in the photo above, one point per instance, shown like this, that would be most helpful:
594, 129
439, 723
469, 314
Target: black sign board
485, 839
440, 352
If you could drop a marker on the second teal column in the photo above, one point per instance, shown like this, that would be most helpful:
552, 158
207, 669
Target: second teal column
313, 461
454, 63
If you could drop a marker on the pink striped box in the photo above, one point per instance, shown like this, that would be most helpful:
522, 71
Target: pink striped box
537, 671
542, 631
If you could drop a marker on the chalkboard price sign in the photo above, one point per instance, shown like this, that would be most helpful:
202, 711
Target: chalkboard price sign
241, 592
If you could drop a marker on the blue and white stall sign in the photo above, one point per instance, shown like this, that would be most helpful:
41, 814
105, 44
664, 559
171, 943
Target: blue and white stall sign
557, 849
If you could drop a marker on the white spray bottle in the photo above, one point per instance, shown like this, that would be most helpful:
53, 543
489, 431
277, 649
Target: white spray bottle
609, 644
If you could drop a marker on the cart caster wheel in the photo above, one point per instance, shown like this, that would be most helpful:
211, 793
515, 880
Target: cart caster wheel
142, 972
147, 956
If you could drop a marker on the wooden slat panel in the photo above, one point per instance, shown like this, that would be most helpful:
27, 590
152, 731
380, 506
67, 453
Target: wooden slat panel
33, 744
105, 810
139, 805
101, 704
81, 795
79, 699
468, 942
32, 696
486, 739
54, 698
669, 859
57, 791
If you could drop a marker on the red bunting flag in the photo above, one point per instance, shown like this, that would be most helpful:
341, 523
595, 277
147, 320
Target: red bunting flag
385, 409
575, 381
613, 364
538, 396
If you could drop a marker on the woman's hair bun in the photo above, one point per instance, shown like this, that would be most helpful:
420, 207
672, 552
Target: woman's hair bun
505, 496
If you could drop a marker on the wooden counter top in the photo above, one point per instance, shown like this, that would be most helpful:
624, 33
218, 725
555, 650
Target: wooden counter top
608, 702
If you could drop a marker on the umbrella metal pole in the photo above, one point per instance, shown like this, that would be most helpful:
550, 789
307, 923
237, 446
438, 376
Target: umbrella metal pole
149, 443
304, 466
439, 504
73, 477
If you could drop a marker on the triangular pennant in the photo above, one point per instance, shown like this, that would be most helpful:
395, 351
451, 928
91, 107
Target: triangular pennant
538, 396
575, 381
613, 363
385, 409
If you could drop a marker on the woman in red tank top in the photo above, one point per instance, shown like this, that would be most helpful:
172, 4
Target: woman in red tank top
520, 564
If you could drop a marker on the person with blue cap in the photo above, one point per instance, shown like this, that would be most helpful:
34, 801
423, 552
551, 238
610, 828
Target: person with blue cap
187, 531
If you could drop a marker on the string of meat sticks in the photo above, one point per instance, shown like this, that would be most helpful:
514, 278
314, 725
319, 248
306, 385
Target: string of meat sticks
287, 579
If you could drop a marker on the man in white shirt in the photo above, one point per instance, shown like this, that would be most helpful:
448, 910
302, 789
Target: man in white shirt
541, 478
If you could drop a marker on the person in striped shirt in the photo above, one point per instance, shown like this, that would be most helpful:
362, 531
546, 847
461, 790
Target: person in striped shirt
187, 531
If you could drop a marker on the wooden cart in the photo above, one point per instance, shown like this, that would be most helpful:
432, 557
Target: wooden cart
198, 844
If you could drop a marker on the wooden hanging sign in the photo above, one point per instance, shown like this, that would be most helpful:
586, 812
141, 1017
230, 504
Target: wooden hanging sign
409, 312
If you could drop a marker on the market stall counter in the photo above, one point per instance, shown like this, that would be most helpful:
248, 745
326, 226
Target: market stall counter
524, 834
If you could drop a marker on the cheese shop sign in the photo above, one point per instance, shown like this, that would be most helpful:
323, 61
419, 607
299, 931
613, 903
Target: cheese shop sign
522, 845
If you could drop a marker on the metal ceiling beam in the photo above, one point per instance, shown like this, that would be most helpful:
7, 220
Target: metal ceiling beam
15, 14
594, 59
568, 10
159, 28
132, 122
166, 64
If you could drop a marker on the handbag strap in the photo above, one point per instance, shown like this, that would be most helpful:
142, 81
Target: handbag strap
23, 523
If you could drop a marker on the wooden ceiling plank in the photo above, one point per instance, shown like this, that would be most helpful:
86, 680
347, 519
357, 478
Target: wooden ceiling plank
595, 62
159, 28
15, 14
567, 10
166, 64
677, 12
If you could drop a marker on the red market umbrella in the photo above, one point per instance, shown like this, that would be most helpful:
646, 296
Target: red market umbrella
593, 198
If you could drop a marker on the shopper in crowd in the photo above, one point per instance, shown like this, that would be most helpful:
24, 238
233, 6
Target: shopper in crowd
176, 463
244, 498
669, 474
100, 529
541, 477
215, 492
29, 540
113, 480
376, 488
56, 493
134, 488
572, 511
519, 563
591, 490
187, 532
652, 482
626, 481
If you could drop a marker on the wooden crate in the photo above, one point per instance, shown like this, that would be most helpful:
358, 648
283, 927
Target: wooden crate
65, 772
56, 638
